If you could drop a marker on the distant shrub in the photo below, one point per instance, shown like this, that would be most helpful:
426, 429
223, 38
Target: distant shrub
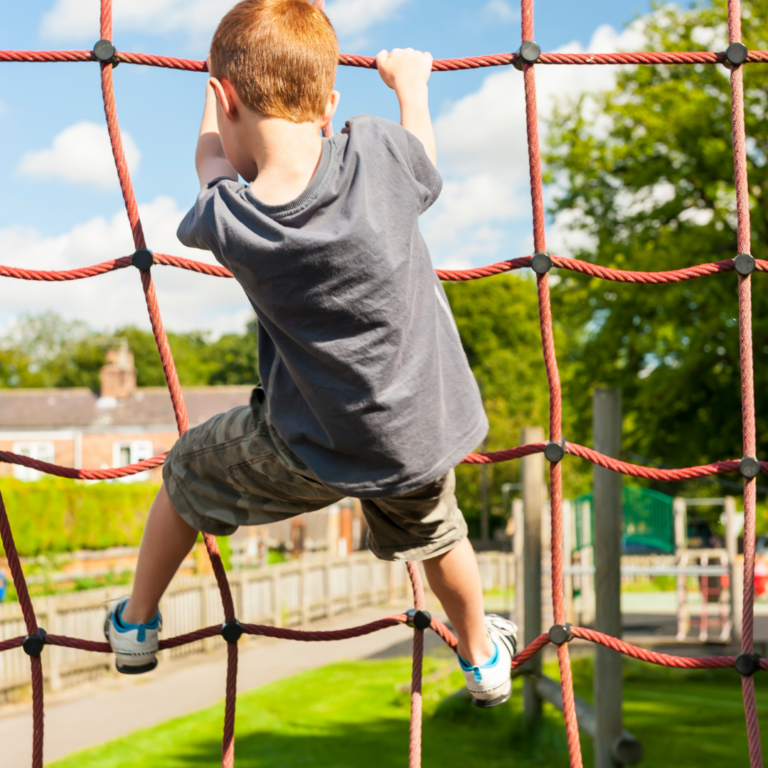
55, 515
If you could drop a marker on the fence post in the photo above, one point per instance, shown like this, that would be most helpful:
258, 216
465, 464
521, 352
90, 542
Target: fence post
587, 559
608, 523
54, 652
680, 512
209, 643
533, 485
304, 586
328, 588
277, 613
568, 560
737, 575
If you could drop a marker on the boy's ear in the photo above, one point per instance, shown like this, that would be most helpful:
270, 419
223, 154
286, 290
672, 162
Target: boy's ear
225, 95
331, 107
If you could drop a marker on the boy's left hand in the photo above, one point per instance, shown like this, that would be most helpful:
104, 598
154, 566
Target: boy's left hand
404, 68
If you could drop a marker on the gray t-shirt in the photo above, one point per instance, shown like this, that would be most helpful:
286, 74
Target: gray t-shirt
365, 377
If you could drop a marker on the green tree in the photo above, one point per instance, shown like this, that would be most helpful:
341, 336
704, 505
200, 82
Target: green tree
46, 351
652, 185
498, 323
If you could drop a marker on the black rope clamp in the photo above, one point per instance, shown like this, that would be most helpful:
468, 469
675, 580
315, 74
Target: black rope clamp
232, 631
105, 52
559, 634
528, 53
143, 258
747, 664
736, 54
555, 452
749, 467
33, 644
744, 264
418, 619
541, 263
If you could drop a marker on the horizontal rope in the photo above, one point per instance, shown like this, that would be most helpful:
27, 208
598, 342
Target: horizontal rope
438, 65
493, 457
449, 275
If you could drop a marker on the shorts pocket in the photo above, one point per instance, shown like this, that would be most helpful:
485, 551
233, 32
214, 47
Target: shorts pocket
266, 476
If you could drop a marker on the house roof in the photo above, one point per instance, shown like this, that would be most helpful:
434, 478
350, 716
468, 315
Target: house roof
82, 408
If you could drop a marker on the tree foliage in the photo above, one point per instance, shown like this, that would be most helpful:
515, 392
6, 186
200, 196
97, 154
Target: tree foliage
47, 351
646, 170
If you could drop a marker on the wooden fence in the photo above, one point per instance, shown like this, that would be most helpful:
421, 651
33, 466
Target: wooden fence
280, 595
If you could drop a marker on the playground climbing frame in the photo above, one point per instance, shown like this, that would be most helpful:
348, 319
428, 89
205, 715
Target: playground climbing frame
144, 260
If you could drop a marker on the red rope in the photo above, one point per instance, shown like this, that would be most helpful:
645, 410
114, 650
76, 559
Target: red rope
439, 65
550, 359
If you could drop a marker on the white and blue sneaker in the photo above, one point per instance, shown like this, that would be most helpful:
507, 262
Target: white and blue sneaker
135, 645
491, 683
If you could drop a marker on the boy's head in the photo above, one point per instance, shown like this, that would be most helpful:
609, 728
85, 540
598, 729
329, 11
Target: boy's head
280, 57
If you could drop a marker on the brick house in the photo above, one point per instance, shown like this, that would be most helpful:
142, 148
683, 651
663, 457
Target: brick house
119, 425
124, 423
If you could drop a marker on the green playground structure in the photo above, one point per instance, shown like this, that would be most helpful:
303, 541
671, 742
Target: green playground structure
648, 521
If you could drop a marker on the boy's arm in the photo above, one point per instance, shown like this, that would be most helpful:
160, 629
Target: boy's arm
407, 71
210, 160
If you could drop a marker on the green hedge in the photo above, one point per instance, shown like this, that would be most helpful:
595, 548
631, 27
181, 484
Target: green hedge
55, 515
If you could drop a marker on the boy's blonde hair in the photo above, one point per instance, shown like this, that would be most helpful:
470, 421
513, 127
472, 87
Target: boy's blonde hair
280, 56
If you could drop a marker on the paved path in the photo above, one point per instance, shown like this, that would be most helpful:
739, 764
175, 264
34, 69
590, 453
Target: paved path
112, 707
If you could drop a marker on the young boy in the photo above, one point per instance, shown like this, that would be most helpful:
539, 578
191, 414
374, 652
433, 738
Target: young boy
366, 390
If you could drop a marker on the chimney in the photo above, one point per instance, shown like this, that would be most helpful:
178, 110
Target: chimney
118, 376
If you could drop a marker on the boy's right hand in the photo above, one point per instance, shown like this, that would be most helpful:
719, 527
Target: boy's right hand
404, 68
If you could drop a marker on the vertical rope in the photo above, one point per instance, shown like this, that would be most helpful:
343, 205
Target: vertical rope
555, 391
414, 747
744, 245
30, 621
169, 368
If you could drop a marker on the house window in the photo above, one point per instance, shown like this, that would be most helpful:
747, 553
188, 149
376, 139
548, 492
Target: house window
131, 452
42, 451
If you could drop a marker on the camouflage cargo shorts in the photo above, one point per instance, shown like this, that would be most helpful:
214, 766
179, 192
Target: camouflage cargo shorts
235, 470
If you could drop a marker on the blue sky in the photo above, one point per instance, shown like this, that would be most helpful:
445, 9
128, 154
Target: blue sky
60, 205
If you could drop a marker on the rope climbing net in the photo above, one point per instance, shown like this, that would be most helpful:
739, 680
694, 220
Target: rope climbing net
529, 54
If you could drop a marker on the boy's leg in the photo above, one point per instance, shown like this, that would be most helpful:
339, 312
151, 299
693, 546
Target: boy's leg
167, 540
455, 579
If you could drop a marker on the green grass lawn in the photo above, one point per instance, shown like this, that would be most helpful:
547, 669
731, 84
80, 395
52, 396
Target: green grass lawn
356, 714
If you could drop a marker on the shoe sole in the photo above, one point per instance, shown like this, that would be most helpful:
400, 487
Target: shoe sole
136, 669
488, 703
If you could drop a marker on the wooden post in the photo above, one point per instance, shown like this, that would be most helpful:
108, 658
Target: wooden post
737, 576
608, 523
519, 517
533, 501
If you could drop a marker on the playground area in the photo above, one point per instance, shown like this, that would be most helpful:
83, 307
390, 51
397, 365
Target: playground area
582, 641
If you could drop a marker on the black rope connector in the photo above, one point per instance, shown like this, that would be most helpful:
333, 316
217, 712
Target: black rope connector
541, 263
555, 452
749, 467
559, 634
33, 644
232, 631
418, 619
744, 264
143, 258
736, 54
105, 52
747, 664
528, 53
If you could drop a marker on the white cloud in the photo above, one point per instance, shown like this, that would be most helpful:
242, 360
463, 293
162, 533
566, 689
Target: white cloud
353, 17
501, 10
79, 19
482, 148
82, 154
187, 300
